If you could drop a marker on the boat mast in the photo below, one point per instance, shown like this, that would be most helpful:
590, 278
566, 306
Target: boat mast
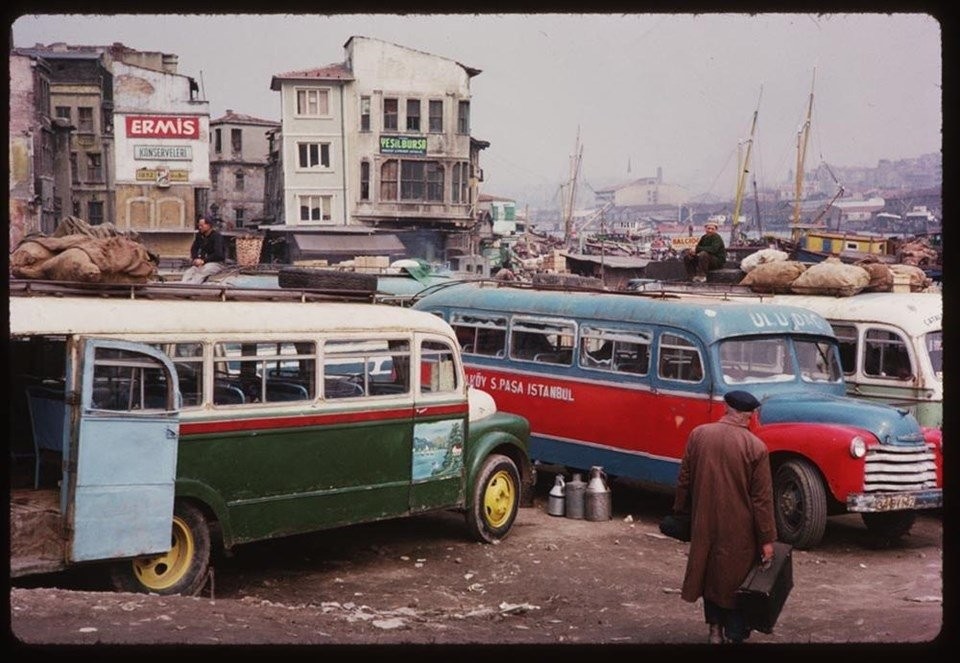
575, 160
742, 175
802, 136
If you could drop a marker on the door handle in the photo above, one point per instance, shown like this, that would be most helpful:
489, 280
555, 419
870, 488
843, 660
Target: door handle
171, 434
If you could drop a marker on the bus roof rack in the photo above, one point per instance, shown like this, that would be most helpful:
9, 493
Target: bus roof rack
177, 290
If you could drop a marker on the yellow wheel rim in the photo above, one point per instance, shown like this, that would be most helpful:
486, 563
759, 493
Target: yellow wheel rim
159, 572
499, 499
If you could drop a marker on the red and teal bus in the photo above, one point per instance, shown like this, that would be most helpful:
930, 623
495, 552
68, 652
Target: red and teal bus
620, 381
224, 422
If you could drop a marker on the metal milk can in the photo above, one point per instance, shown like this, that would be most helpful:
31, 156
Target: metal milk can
597, 499
556, 497
573, 497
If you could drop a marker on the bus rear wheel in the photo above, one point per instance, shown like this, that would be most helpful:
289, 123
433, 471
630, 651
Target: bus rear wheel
799, 504
180, 570
496, 499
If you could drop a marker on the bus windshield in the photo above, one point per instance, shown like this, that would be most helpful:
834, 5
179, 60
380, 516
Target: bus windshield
934, 343
769, 360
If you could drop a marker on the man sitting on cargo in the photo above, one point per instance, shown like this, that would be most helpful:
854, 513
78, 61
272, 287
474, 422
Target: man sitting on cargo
207, 253
710, 253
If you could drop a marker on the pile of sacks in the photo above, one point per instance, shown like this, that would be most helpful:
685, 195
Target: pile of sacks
78, 251
770, 271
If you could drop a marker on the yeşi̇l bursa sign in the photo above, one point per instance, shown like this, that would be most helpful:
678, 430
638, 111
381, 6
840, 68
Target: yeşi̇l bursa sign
403, 145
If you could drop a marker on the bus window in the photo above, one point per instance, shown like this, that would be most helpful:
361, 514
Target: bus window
755, 360
817, 362
885, 355
615, 350
188, 360
679, 359
934, 344
542, 341
847, 337
437, 369
264, 372
480, 334
376, 367
125, 381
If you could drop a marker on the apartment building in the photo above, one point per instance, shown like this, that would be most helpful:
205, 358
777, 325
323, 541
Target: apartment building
239, 153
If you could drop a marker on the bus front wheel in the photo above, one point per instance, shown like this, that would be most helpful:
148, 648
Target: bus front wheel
799, 504
180, 570
496, 499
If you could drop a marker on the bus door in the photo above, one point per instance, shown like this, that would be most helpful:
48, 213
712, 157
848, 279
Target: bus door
120, 478
440, 426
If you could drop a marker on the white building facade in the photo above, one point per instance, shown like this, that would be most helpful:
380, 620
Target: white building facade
381, 140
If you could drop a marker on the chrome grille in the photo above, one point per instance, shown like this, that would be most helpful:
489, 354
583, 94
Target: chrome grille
895, 468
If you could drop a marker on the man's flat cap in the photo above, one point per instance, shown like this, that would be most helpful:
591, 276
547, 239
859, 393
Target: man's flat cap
743, 401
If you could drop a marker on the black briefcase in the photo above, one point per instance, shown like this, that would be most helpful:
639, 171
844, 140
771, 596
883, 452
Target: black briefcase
763, 592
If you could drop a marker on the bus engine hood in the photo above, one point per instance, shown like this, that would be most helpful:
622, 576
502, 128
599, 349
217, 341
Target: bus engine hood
481, 404
891, 425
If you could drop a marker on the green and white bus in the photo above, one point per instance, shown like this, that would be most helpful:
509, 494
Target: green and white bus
148, 428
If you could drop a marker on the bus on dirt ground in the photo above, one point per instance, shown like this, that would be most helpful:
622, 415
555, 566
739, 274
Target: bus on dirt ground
149, 428
620, 380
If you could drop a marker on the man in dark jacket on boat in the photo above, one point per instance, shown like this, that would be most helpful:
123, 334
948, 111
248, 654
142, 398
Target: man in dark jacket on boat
711, 253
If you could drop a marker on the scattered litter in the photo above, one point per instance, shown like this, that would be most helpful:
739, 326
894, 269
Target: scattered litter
129, 605
405, 558
670, 590
87, 629
516, 608
392, 623
862, 565
925, 599
476, 587
656, 535
467, 576
628, 519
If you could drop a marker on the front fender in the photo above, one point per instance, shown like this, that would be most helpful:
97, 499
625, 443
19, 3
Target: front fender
826, 447
500, 433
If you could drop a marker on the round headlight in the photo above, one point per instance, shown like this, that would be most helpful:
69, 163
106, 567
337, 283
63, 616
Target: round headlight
858, 447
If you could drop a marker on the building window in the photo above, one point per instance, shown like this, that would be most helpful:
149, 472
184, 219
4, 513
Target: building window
313, 155
455, 184
463, 117
364, 113
364, 180
315, 208
313, 102
95, 212
388, 180
85, 119
464, 183
214, 176
411, 180
434, 181
217, 141
46, 156
238, 215
413, 115
74, 169
107, 121
94, 167
63, 112
390, 114
436, 116
239, 181
236, 140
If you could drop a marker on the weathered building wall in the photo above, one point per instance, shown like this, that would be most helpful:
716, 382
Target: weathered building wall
24, 218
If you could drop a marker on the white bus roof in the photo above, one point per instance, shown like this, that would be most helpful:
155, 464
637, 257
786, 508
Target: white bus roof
915, 312
124, 317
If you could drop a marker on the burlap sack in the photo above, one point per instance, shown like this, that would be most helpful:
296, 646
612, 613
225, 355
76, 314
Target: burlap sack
881, 278
773, 277
831, 277
762, 257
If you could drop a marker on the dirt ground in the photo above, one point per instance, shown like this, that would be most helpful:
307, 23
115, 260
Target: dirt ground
553, 581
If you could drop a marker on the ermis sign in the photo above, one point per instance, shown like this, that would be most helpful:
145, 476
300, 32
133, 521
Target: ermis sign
403, 145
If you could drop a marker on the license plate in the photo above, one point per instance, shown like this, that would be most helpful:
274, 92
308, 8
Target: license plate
893, 502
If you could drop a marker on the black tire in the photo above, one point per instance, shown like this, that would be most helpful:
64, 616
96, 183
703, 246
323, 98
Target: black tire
181, 570
496, 499
888, 526
799, 504
326, 279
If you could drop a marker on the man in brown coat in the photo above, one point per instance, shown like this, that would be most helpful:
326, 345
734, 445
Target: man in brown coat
725, 485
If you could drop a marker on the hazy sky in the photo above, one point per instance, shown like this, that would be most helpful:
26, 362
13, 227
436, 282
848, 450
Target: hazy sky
676, 91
